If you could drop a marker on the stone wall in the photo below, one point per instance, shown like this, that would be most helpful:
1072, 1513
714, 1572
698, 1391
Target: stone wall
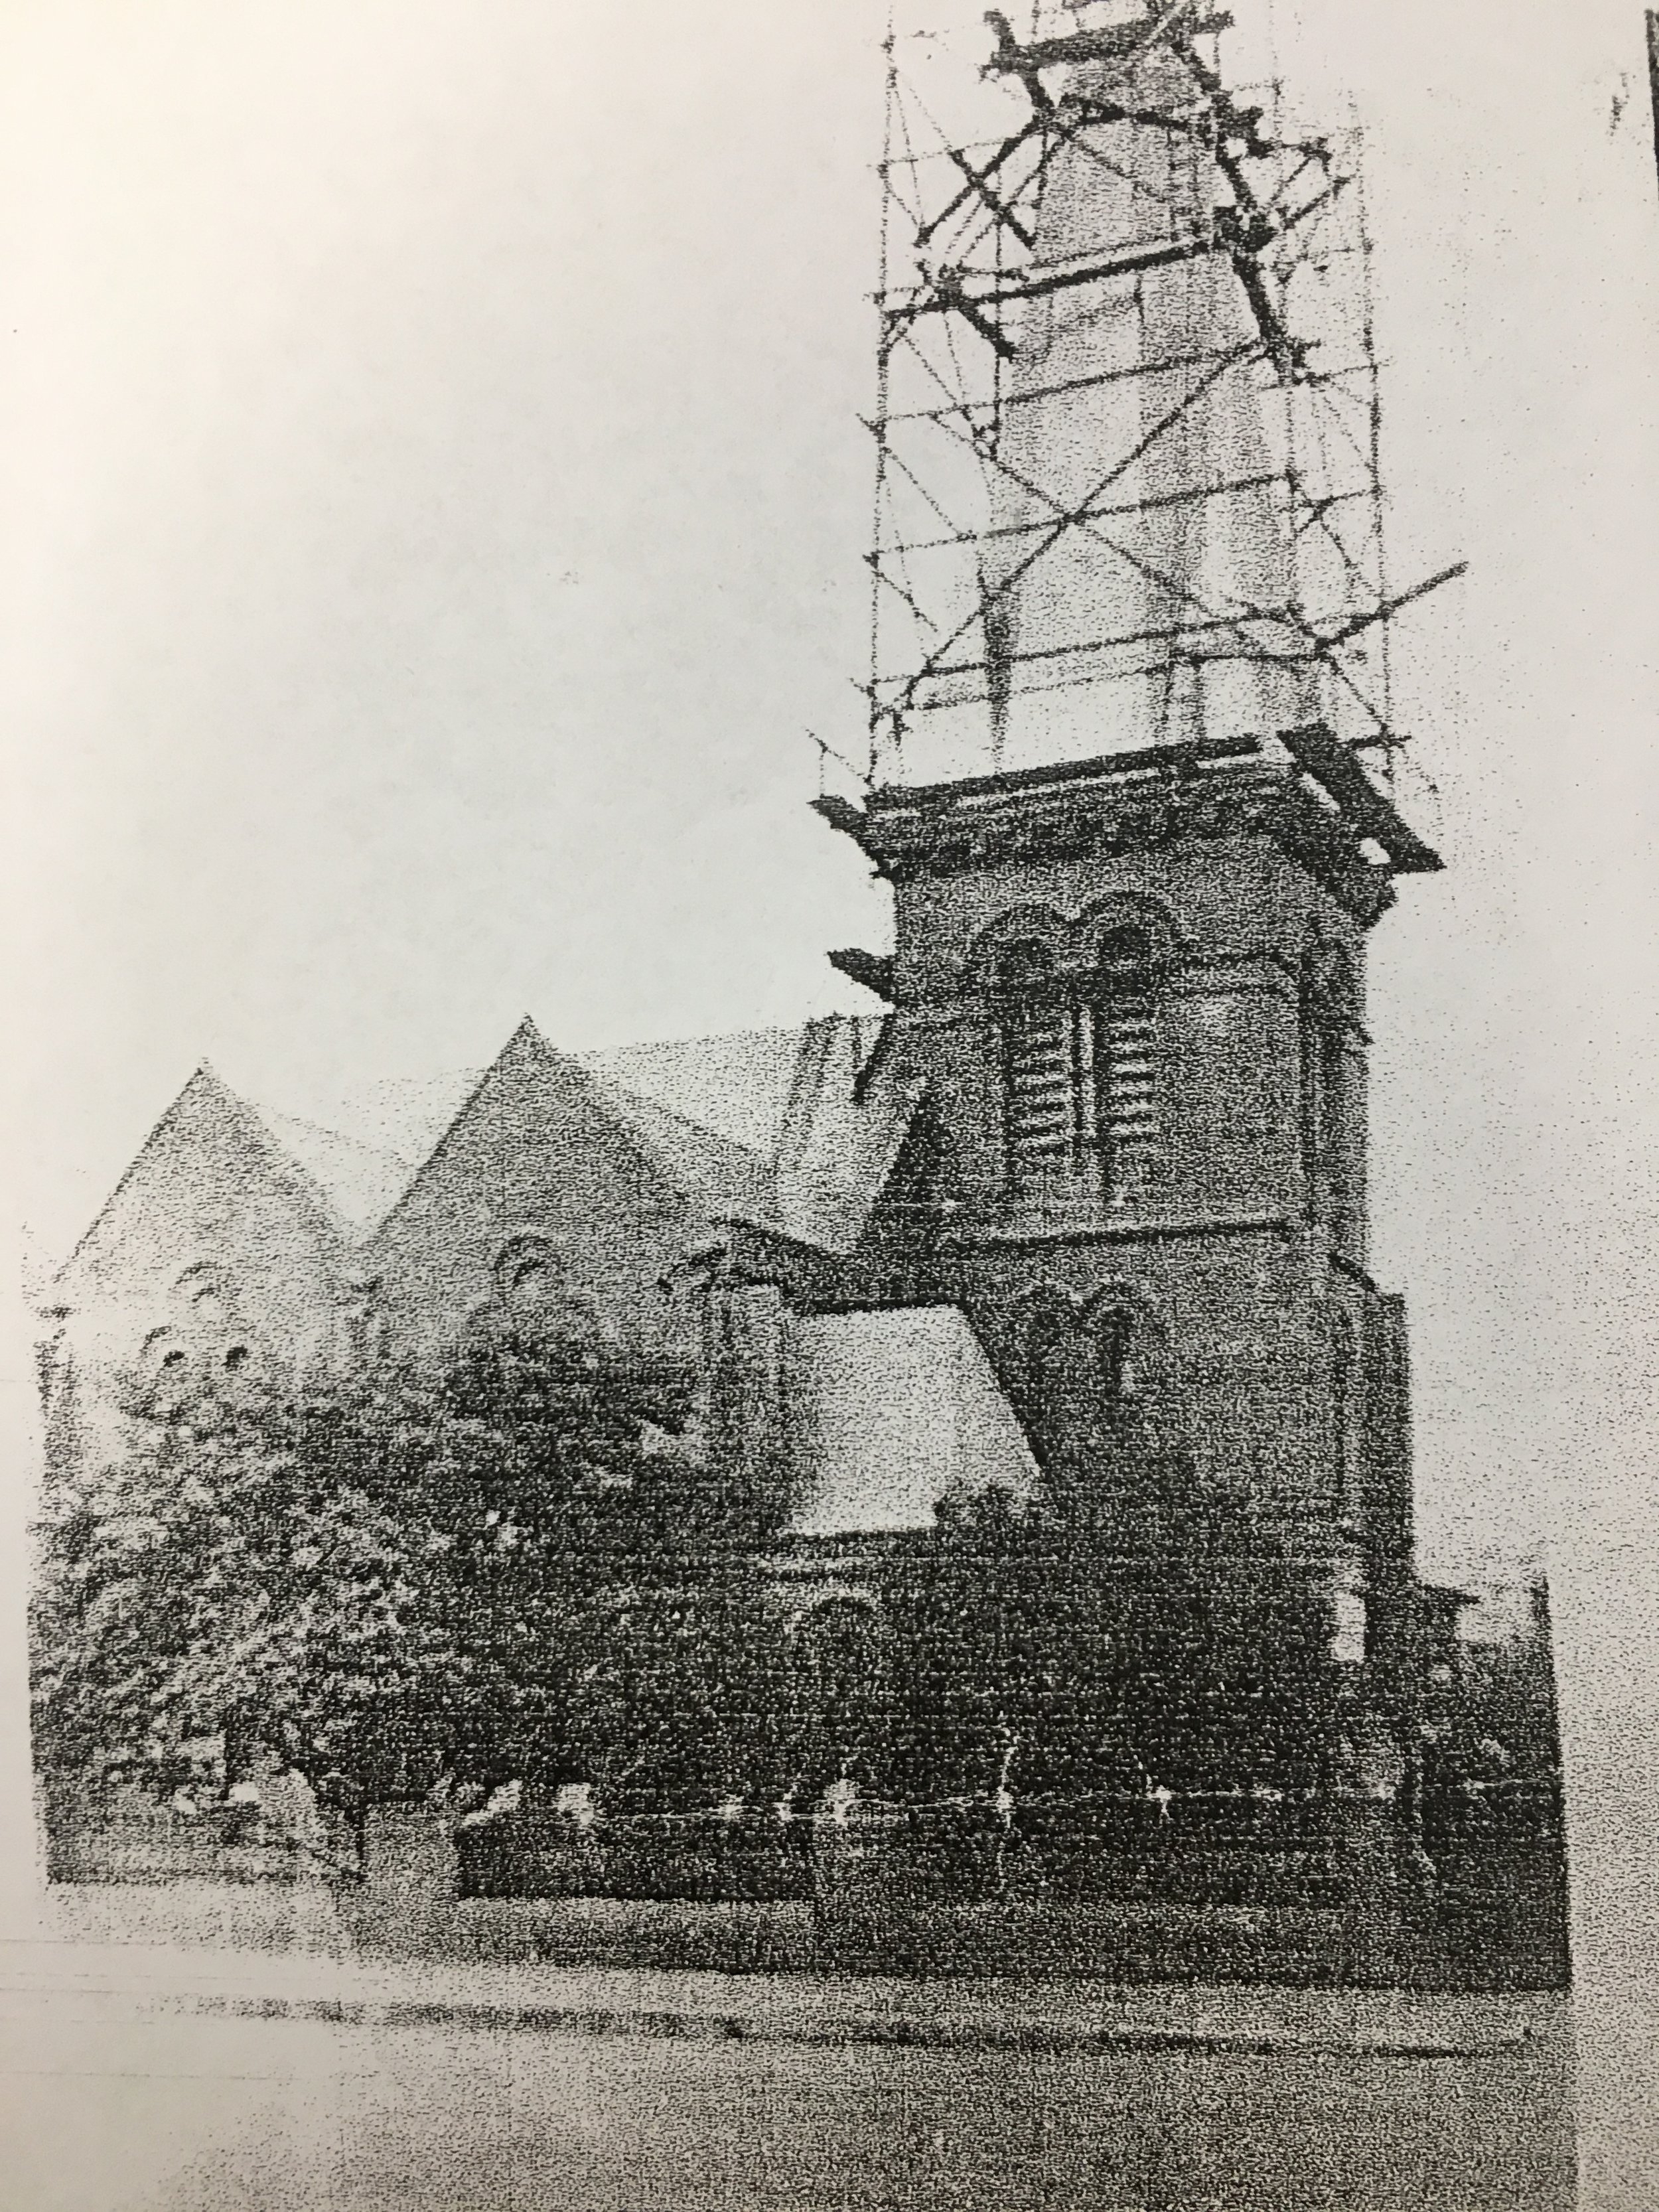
538, 1195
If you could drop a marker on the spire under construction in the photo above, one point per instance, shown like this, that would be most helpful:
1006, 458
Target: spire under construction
1128, 421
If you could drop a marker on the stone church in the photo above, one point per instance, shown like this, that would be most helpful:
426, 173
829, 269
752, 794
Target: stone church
1106, 1145
1108, 1137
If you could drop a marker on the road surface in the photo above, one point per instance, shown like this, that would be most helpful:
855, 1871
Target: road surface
106, 2113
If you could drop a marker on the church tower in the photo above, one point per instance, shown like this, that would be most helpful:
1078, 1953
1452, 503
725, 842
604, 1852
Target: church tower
1129, 559
1134, 988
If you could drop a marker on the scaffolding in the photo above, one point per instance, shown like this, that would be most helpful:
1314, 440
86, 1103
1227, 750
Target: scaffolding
1128, 421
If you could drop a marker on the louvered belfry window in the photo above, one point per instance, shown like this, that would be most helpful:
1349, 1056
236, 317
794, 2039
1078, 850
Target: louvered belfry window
1080, 1062
1046, 1044
1127, 1053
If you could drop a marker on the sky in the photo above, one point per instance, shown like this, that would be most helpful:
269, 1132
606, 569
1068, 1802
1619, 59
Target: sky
436, 517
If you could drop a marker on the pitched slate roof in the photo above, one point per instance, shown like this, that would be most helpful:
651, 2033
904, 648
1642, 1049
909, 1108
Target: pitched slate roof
724, 1177
402, 1116
361, 1183
737, 1084
793, 1129
893, 1412
849, 1111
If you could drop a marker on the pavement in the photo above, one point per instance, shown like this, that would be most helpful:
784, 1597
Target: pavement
192, 2113
168, 2076
94, 1979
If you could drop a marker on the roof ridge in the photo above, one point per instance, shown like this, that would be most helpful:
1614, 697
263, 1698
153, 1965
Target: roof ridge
329, 1129
705, 1036
609, 1082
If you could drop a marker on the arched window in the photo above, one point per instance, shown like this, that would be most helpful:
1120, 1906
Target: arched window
242, 1368
367, 1327
1115, 1330
1060, 1375
1082, 1370
533, 1296
1345, 1411
838, 1661
168, 1378
1327, 1108
530, 1284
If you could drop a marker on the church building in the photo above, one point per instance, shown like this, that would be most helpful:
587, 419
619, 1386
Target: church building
1105, 1145
1108, 1141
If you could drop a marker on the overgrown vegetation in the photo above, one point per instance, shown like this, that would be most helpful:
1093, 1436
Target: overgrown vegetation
389, 1578
1130, 1630
546, 1563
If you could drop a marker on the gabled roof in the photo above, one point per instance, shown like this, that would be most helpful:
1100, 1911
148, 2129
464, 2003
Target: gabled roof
711, 1170
789, 1129
207, 1112
815, 1102
792, 1129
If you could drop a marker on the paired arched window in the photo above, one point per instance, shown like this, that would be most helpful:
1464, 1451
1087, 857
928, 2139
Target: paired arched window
206, 1349
1079, 1022
1087, 1362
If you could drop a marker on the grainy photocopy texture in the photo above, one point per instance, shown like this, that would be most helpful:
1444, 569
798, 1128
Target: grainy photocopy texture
836, 1144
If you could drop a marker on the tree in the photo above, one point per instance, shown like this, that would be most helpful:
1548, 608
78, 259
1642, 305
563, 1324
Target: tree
241, 1565
617, 1615
1126, 1629
388, 1576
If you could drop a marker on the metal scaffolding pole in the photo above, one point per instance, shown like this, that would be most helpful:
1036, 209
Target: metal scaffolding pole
1127, 427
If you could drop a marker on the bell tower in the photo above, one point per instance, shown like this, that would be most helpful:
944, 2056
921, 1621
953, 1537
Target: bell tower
1132, 749
1134, 988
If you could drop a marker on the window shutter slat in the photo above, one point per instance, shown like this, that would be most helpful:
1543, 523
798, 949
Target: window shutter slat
1128, 1076
1042, 1101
